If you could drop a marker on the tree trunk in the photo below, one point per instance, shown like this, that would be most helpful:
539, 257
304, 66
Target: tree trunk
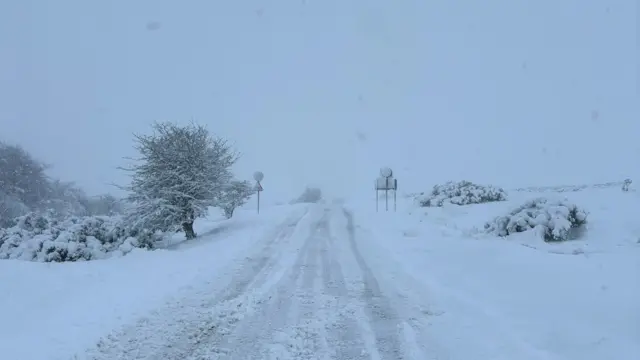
188, 230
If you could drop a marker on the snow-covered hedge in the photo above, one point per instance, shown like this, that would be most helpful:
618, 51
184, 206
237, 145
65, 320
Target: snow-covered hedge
553, 219
36, 237
461, 193
310, 195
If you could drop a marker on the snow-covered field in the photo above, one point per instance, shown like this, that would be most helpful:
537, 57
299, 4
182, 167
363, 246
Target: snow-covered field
52, 310
519, 297
340, 281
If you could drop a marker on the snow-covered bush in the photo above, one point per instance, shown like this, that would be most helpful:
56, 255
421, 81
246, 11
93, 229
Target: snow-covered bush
37, 237
553, 219
310, 195
461, 193
235, 194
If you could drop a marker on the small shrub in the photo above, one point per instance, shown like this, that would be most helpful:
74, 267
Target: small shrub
234, 195
554, 219
462, 193
37, 237
310, 195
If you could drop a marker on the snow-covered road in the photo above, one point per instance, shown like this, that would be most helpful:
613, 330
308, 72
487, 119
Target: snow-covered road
306, 292
337, 281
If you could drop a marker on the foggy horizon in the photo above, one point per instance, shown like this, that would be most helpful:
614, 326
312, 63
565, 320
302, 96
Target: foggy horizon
324, 93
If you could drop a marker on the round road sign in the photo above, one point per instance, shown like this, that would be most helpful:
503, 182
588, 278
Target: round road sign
258, 176
386, 172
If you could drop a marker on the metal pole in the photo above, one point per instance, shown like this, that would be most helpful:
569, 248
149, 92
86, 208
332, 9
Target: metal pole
386, 199
376, 200
394, 200
258, 201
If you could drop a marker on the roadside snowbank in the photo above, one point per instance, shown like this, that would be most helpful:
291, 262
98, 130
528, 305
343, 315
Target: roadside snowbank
52, 310
520, 297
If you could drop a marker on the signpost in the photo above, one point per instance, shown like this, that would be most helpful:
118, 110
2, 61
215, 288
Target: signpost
258, 176
386, 182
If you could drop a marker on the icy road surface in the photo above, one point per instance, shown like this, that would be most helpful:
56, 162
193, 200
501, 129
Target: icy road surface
306, 292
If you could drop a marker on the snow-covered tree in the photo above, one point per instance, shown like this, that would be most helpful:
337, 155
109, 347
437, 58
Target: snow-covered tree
181, 171
66, 199
22, 177
25, 187
235, 194
10, 208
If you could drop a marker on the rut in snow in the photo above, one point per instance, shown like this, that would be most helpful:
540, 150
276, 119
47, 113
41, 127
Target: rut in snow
307, 293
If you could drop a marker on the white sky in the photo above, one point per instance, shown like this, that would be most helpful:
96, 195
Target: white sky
513, 92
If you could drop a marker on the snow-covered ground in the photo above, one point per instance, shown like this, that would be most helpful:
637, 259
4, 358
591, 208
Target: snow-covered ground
340, 281
519, 297
52, 310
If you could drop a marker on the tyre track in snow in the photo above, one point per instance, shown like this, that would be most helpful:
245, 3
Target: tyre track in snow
181, 327
284, 325
309, 328
304, 337
309, 313
291, 300
343, 336
239, 340
398, 309
384, 318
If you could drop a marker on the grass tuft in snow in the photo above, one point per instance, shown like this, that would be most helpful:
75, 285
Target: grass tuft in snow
554, 220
